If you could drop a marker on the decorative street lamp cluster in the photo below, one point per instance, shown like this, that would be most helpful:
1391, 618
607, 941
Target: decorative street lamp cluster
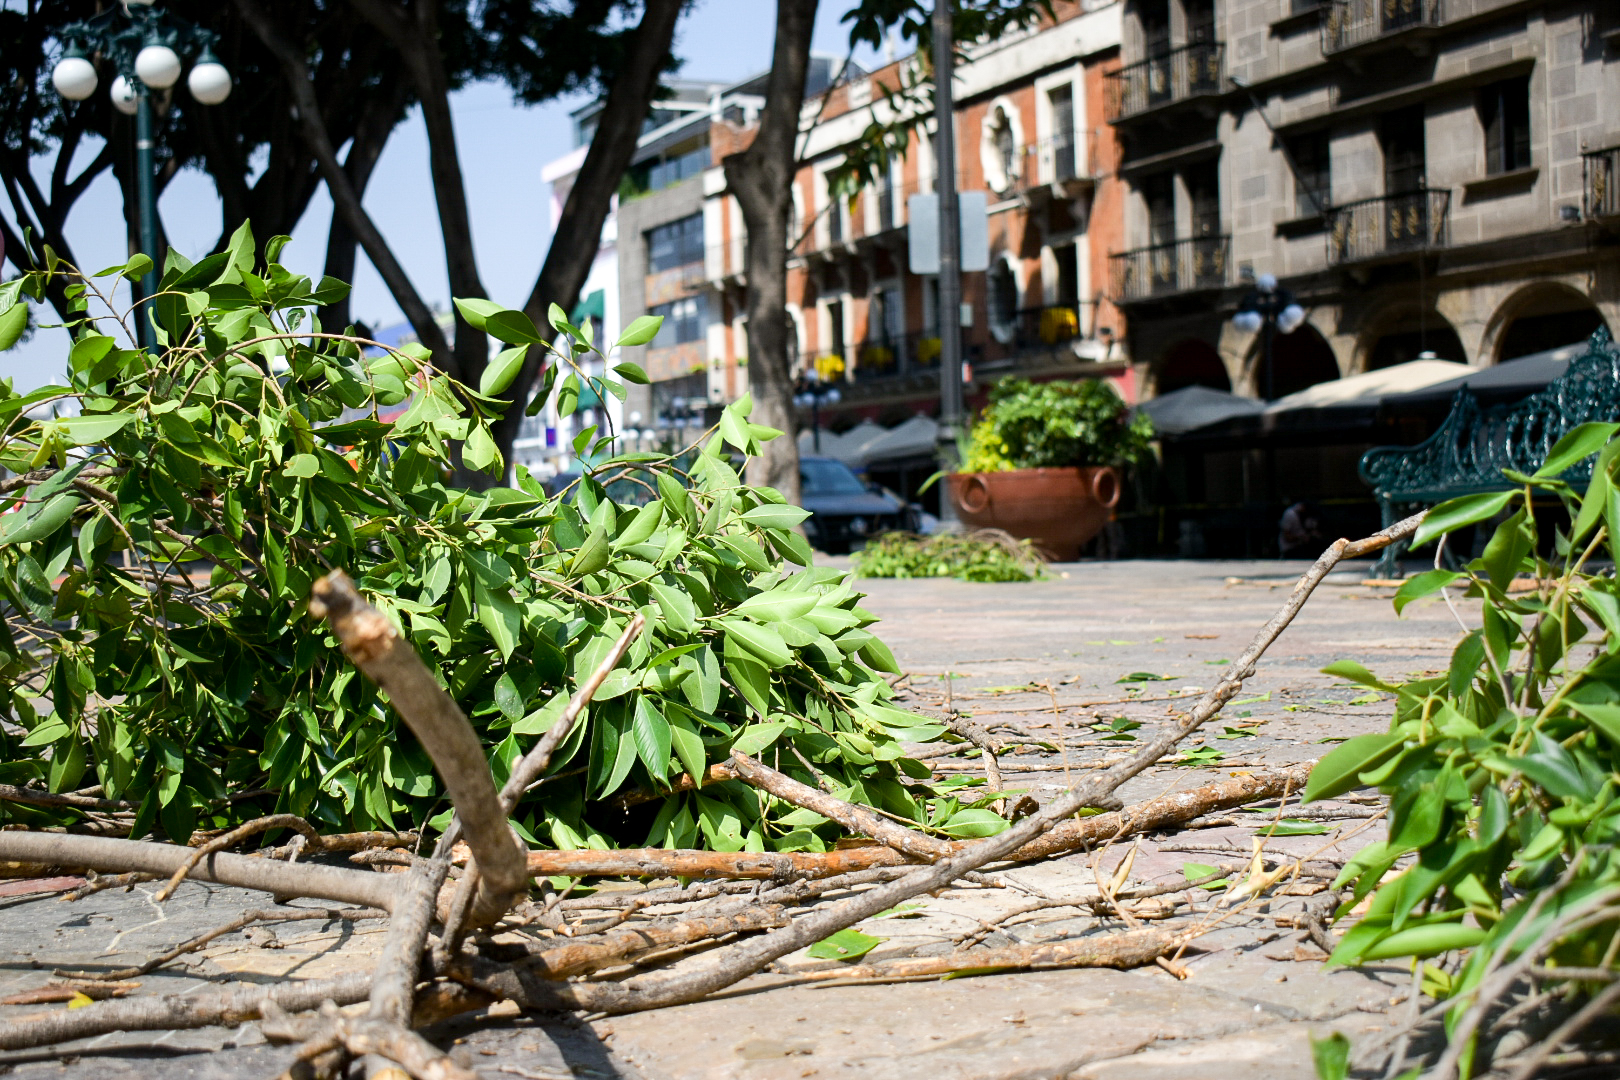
1270, 308
811, 393
145, 46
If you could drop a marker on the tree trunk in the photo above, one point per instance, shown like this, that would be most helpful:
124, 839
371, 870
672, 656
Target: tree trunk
370, 136
761, 179
578, 235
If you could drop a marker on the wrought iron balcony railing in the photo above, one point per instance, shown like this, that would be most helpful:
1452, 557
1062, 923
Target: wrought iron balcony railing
1351, 23
1602, 169
1177, 267
1192, 71
1389, 225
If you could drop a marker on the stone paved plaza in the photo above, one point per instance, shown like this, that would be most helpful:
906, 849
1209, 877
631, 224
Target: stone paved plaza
1255, 988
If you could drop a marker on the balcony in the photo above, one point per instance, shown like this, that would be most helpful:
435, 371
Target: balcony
1602, 171
887, 359
1030, 331
1352, 24
1059, 163
1389, 225
1185, 74
1181, 266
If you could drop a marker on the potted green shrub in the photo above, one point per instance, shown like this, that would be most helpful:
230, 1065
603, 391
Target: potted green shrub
1043, 461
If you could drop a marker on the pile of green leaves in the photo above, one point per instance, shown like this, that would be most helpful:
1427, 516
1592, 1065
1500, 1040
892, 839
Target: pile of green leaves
161, 543
1503, 772
1030, 425
986, 555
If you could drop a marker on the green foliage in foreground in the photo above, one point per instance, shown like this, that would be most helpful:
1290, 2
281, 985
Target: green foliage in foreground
987, 555
1503, 772
164, 539
1030, 425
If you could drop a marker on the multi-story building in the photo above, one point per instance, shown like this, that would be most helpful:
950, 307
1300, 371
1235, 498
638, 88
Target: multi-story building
1031, 133
1427, 176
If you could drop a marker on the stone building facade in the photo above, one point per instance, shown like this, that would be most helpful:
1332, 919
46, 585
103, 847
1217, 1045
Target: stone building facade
1425, 175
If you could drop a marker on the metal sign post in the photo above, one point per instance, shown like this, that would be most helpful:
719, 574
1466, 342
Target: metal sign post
950, 254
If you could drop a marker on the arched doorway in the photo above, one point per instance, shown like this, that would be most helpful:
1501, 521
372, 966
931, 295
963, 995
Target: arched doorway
1300, 360
1192, 363
1408, 335
1544, 317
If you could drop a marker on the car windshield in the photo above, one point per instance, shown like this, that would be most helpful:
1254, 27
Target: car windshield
823, 477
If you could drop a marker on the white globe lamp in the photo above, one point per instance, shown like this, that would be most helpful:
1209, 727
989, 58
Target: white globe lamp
1247, 321
158, 66
1290, 318
74, 77
209, 82
124, 98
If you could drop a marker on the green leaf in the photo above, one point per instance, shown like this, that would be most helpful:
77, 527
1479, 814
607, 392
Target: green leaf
1606, 718
502, 371
1354, 672
1331, 1056
13, 321
758, 737
1582, 442
1467, 510
776, 606
971, 824
476, 311
479, 452
641, 331
1193, 871
761, 642
1297, 827
92, 430
631, 373
1423, 941
775, 516
1339, 771
651, 733
1425, 584
846, 944
512, 327
25, 527
688, 746
302, 466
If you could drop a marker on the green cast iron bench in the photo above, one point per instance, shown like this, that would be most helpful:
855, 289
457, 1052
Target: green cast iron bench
1474, 444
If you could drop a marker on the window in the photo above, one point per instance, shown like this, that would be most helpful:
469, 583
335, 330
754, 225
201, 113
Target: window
1504, 113
678, 167
885, 197
1003, 289
1062, 101
999, 154
1204, 189
683, 321
676, 244
1158, 192
1405, 159
1313, 174
835, 215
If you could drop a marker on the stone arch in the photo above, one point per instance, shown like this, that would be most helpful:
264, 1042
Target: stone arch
1301, 360
1404, 334
1544, 315
1190, 362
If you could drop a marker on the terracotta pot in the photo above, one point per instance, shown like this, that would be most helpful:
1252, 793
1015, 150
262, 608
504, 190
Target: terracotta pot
1059, 509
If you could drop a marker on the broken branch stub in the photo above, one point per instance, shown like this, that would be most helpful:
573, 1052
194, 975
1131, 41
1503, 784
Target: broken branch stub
368, 638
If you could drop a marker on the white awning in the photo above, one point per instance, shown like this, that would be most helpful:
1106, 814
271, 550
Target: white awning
1372, 387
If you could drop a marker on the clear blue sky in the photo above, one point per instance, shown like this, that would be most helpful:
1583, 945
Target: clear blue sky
502, 147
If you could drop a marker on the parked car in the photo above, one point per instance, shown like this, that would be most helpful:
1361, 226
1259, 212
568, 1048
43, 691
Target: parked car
846, 511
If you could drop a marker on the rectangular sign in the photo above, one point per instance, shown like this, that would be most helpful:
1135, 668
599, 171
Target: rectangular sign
922, 232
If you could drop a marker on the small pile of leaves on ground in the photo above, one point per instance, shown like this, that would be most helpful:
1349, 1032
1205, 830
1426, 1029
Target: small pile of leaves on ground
983, 555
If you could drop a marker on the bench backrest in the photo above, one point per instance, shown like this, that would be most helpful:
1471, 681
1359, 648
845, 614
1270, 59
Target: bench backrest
1474, 444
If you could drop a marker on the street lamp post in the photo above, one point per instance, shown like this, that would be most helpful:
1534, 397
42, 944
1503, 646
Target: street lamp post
809, 393
145, 46
1269, 309
950, 252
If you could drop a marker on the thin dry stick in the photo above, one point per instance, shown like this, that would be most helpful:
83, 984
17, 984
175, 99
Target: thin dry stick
368, 638
604, 950
247, 918
11, 793
856, 819
1570, 1028
235, 836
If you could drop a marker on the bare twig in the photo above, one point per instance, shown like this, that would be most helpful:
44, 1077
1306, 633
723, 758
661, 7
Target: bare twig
232, 838
11, 793
1600, 1004
604, 950
247, 918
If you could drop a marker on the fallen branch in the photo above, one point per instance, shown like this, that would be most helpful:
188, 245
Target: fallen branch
741, 960
364, 1036
100, 853
228, 1006
1163, 812
368, 638
393, 980
605, 950
1131, 949
33, 797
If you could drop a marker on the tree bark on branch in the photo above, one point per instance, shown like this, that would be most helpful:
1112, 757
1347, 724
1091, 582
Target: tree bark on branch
761, 180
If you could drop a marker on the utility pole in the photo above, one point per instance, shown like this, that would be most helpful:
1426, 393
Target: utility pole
950, 254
